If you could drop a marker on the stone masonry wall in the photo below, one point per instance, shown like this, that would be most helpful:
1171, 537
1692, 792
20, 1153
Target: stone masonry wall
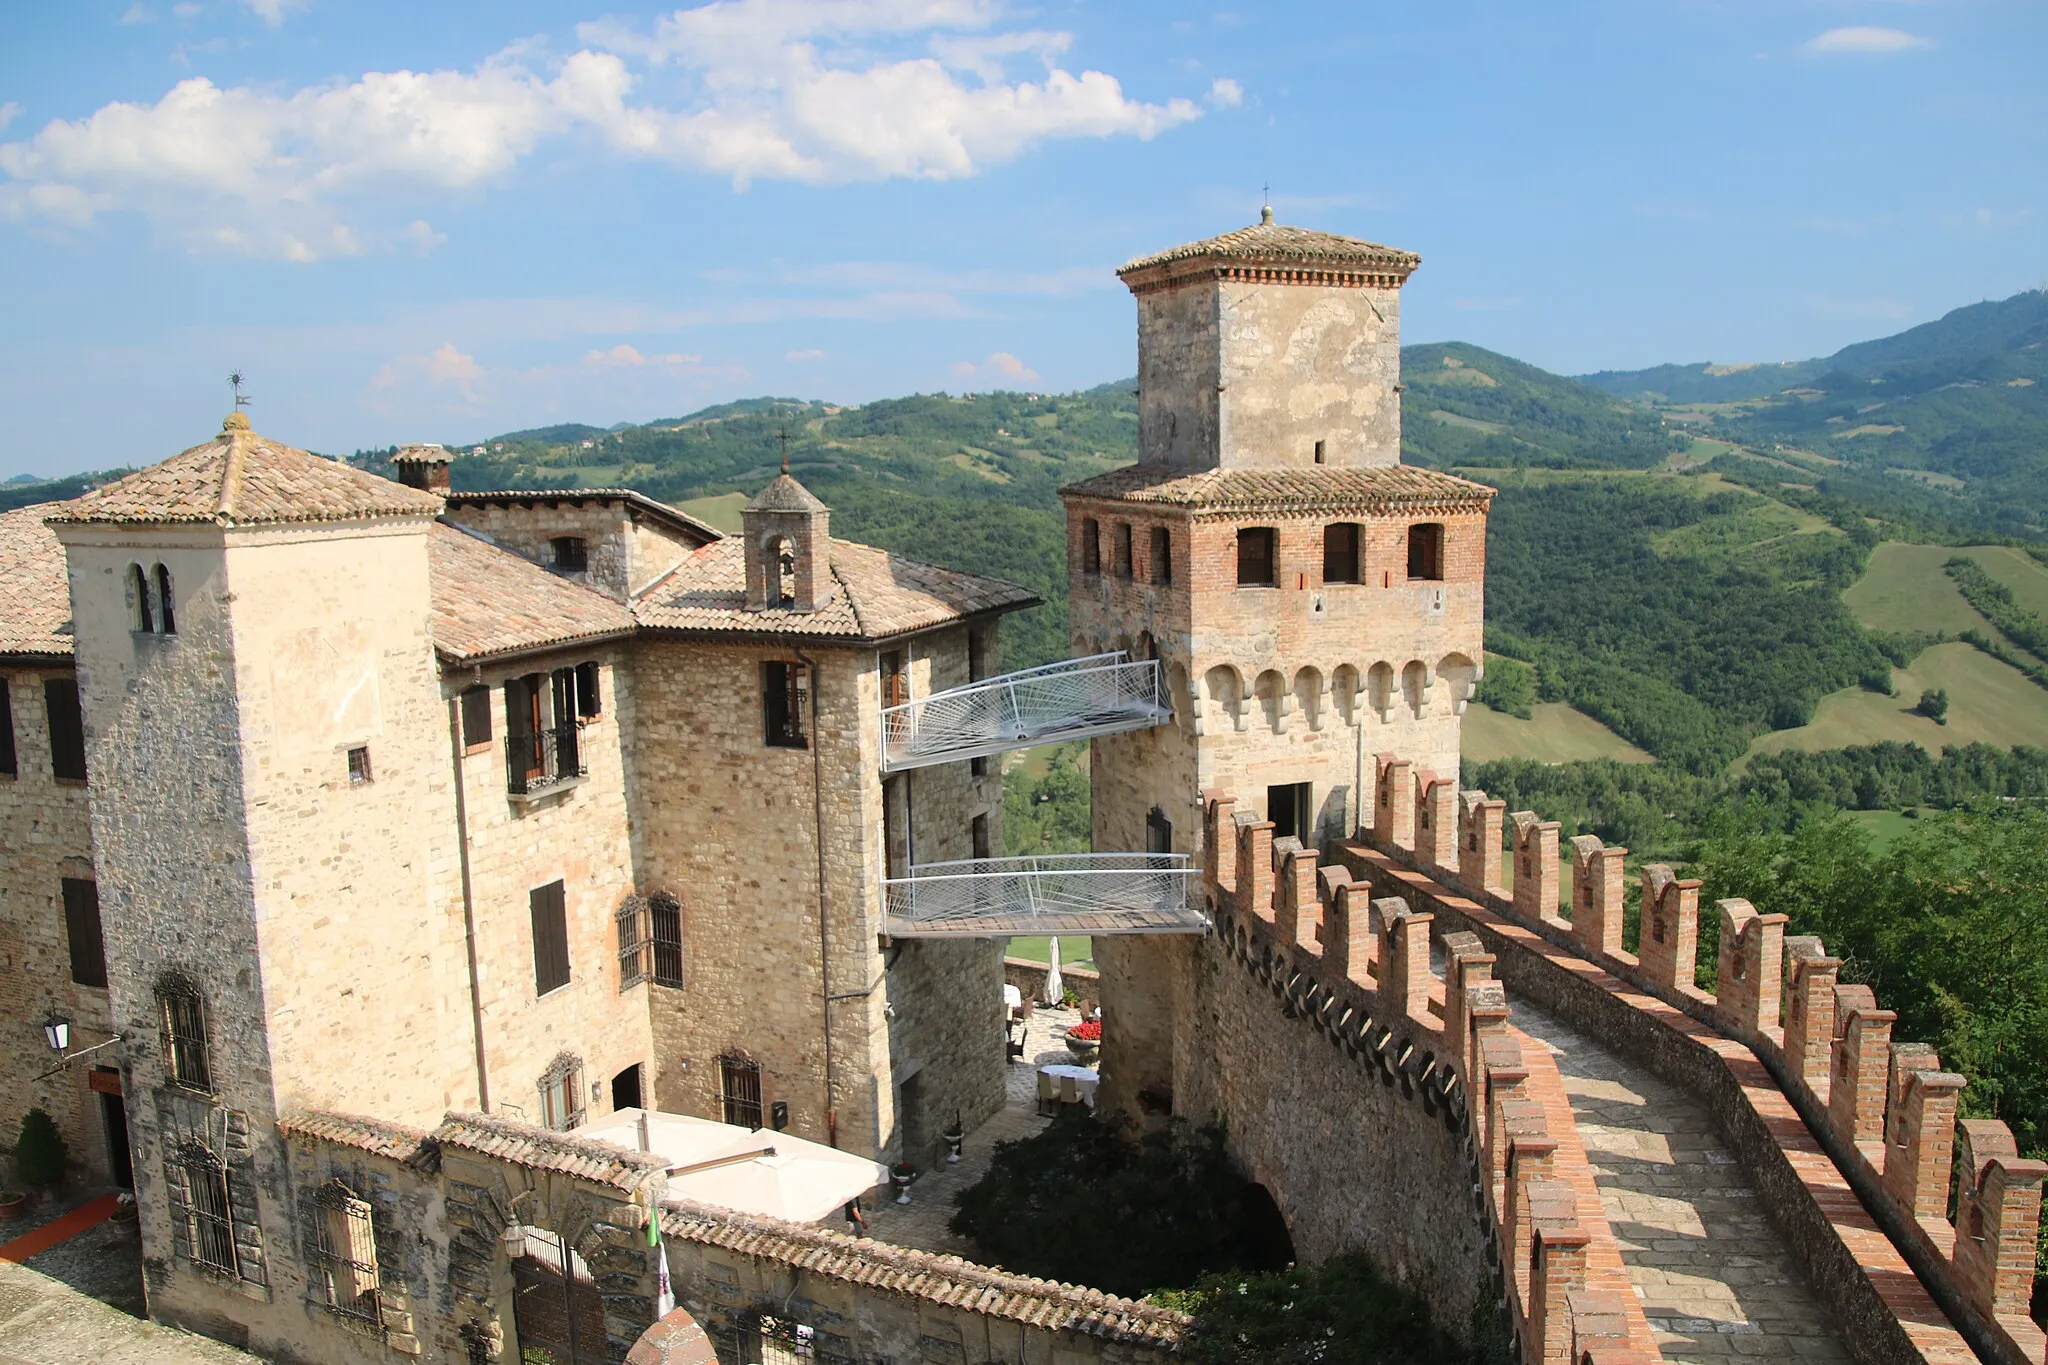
1302, 365
45, 836
625, 553
1178, 372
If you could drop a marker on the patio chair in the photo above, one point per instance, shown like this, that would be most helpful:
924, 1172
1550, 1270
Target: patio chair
1048, 1093
1070, 1090
1013, 1041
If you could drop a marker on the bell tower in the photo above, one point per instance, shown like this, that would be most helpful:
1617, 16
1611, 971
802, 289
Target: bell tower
1313, 601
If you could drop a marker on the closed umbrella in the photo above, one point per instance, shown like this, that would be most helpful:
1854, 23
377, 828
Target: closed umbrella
1054, 987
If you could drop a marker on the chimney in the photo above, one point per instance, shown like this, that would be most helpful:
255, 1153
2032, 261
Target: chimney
423, 466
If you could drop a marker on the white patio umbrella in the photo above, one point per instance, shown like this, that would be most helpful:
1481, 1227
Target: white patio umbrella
1054, 986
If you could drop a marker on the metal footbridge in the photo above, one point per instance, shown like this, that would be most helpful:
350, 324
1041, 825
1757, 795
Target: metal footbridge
1069, 893
1104, 694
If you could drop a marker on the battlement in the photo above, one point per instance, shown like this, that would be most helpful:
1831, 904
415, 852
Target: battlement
1883, 1113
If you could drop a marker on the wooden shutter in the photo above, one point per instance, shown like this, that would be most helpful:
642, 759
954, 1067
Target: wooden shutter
476, 717
67, 728
550, 938
82, 928
588, 701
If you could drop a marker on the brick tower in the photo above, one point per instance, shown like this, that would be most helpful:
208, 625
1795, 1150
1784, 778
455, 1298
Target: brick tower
1314, 601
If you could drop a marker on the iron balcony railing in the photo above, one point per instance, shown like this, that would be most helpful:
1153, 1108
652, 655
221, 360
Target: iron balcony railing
1067, 893
538, 763
1103, 694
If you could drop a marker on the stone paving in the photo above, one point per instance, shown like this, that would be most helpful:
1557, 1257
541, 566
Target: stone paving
922, 1222
1714, 1280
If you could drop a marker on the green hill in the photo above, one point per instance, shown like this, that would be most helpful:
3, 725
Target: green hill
1464, 405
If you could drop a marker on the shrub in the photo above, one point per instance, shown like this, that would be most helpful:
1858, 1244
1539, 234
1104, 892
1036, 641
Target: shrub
39, 1154
1339, 1312
1934, 705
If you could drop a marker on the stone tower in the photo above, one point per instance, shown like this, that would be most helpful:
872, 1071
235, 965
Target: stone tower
1313, 601
789, 548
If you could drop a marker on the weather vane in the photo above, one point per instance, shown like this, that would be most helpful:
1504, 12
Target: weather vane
241, 399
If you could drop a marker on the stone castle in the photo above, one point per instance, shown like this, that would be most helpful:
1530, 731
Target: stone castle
370, 838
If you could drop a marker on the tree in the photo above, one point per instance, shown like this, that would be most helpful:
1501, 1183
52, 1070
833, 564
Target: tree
39, 1154
1934, 705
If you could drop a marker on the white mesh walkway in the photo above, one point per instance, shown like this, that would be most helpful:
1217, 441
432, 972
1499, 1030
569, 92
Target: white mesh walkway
1071, 893
1103, 694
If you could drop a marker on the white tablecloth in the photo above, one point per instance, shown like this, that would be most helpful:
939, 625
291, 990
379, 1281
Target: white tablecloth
1084, 1076
1012, 997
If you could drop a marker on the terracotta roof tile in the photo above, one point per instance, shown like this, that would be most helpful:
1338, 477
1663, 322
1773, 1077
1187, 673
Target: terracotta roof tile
395, 1140
926, 1275
1390, 488
785, 494
877, 595
598, 1162
1276, 244
489, 601
241, 479
35, 596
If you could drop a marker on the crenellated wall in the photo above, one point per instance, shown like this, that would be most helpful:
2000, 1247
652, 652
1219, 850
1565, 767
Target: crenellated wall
1851, 1135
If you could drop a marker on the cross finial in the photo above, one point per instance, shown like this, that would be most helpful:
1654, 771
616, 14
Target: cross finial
783, 436
1266, 202
241, 399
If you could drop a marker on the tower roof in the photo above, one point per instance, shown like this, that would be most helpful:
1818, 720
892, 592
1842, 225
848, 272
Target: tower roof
242, 479
1270, 244
785, 494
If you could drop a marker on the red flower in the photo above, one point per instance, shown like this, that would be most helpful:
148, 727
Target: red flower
1087, 1031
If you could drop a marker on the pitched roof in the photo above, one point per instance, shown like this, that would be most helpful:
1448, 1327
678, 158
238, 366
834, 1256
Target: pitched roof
489, 602
950, 1280
599, 1162
785, 494
1269, 243
398, 1141
35, 595
636, 503
1380, 488
242, 479
877, 595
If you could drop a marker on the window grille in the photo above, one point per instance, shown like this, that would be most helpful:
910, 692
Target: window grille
561, 1093
550, 937
778, 1341
739, 1082
67, 728
665, 923
572, 553
785, 702
166, 615
1162, 556
1426, 550
209, 1228
633, 944
82, 930
476, 717
1255, 557
344, 1257
1340, 552
182, 1014
144, 616
358, 766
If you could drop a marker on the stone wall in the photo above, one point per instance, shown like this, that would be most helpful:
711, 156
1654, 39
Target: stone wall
625, 552
1302, 365
46, 836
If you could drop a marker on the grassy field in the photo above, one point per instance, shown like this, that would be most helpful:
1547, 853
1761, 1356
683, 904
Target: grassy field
2019, 571
1074, 952
722, 512
1885, 827
1554, 733
1988, 701
1905, 589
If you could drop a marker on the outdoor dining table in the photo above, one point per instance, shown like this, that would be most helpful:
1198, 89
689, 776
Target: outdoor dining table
1086, 1077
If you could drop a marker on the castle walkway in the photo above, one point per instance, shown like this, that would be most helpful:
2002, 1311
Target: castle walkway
1715, 1279
1103, 694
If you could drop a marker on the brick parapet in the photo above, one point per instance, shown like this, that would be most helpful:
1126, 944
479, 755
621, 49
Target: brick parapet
1877, 1145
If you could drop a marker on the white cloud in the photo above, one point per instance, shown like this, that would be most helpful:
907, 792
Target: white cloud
746, 89
272, 12
8, 113
1000, 366
1864, 40
1225, 93
445, 368
631, 356
137, 13
809, 353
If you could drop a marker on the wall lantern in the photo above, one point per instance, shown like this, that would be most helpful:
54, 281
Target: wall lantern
57, 1032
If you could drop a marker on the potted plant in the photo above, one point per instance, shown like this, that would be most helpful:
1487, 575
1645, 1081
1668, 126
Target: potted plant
1085, 1038
900, 1175
954, 1137
13, 1203
39, 1154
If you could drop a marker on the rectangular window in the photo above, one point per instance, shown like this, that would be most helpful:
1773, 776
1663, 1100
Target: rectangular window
344, 1249
1091, 547
1319, 452
1158, 832
8, 766
665, 932
977, 766
550, 937
1123, 550
1162, 556
82, 927
358, 766
589, 700
1426, 550
476, 718
1288, 808
67, 728
785, 705
209, 1227
978, 833
976, 664
1340, 552
182, 1017
739, 1083
1255, 556
571, 554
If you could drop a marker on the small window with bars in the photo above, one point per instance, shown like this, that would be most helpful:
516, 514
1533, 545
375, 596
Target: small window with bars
778, 1341
651, 940
561, 1093
571, 553
739, 1083
209, 1224
181, 1015
344, 1254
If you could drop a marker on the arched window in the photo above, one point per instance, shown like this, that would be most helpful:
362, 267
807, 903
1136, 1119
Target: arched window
143, 615
166, 617
781, 564
181, 1014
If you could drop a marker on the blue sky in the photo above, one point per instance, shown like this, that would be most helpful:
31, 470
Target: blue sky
444, 220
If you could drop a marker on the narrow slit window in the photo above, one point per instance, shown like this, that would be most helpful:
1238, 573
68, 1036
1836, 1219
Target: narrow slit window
1340, 552
1162, 556
1123, 550
1091, 547
1255, 556
144, 615
166, 613
1426, 551
1319, 452
978, 836
9, 763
